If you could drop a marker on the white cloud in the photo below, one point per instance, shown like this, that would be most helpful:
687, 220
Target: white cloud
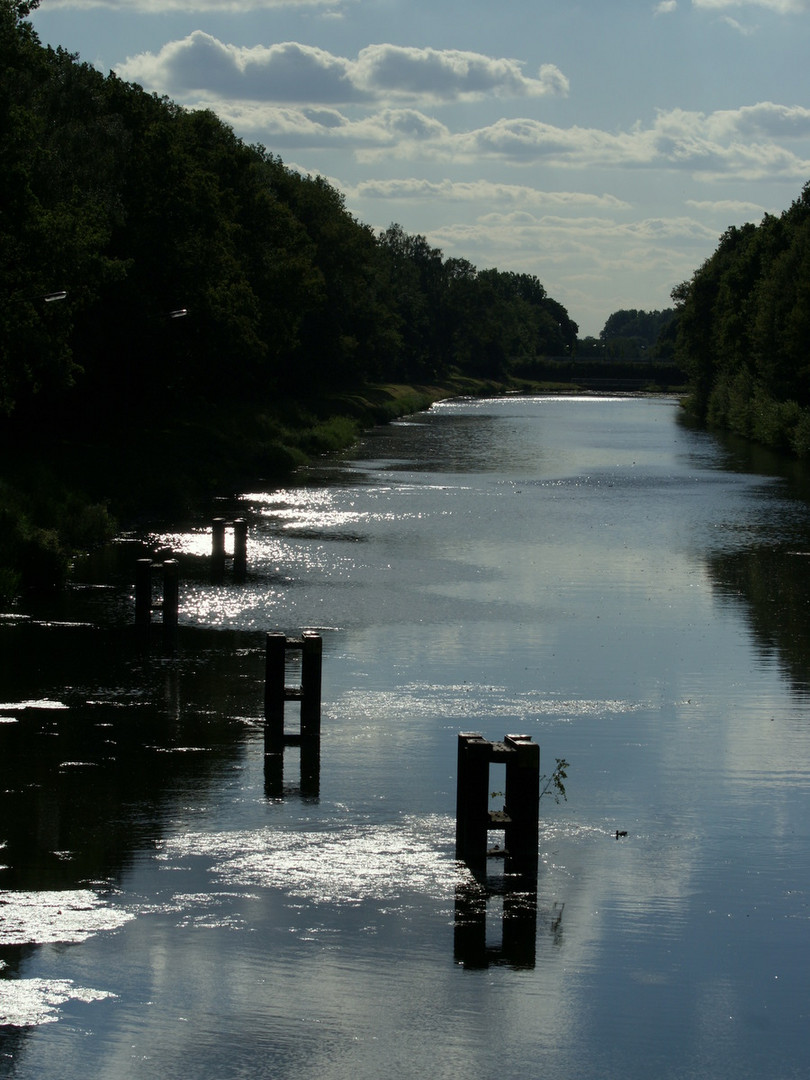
290, 71
642, 258
480, 190
665, 7
283, 72
296, 127
590, 229
447, 75
739, 143
527, 140
326, 127
729, 208
746, 31
411, 124
197, 7
750, 143
781, 7
766, 120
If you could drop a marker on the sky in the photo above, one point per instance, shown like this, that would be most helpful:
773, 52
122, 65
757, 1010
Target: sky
601, 145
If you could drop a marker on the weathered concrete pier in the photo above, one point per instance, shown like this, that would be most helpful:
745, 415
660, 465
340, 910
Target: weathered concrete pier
519, 819
219, 553
145, 603
308, 694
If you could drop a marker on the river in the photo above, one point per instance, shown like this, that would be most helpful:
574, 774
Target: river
588, 571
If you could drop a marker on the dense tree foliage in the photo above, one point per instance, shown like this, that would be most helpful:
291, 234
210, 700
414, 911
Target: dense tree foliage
744, 331
630, 334
140, 209
633, 333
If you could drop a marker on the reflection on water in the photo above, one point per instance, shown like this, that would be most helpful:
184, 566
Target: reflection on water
512, 940
629, 593
773, 586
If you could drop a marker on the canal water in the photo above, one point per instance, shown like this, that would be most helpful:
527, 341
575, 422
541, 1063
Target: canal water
630, 593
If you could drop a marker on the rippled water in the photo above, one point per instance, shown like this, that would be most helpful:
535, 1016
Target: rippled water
630, 593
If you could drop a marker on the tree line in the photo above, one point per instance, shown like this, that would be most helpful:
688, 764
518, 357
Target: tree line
743, 331
198, 267
631, 334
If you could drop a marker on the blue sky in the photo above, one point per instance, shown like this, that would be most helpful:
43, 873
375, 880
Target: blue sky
603, 145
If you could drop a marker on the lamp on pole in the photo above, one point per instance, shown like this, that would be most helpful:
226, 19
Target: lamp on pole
48, 298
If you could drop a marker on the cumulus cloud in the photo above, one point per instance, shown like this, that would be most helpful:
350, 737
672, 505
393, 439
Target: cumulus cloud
595, 260
480, 190
781, 7
446, 75
309, 128
665, 7
765, 120
289, 71
201, 63
663, 247
198, 7
328, 128
746, 31
729, 208
524, 139
746, 143
753, 142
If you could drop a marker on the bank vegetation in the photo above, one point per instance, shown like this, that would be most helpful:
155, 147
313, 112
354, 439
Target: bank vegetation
743, 331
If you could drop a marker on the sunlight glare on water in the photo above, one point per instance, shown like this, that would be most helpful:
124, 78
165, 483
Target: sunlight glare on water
344, 865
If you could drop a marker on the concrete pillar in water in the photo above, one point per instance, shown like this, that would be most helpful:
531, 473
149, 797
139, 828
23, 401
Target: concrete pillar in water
218, 548
143, 592
522, 805
308, 694
311, 663
275, 691
472, 800
240, 531
519, 819
171, 592
274, 698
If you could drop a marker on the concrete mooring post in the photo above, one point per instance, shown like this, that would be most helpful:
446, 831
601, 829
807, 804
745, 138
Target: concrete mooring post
145, 603
218, 548
143, 592
520, 817
240, 549
277, 693
171, 592
219, 554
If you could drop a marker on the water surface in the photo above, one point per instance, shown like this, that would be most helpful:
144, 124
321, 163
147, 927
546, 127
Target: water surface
630, 593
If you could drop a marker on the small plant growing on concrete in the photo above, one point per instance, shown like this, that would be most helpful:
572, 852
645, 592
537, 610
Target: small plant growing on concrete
554, 784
